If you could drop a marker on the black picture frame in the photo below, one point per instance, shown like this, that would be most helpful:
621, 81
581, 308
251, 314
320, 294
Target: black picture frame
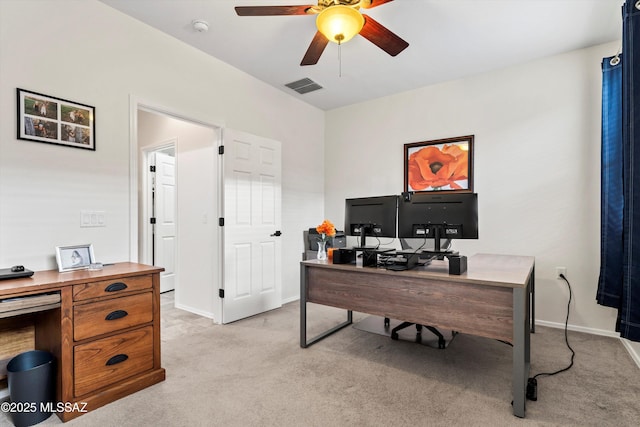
442, 165
44, 118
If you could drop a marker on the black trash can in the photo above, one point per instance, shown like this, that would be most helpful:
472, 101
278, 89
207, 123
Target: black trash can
31, 379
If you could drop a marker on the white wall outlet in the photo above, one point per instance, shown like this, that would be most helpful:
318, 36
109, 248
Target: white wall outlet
561, 270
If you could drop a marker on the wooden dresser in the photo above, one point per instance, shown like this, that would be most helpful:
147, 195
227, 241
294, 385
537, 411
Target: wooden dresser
104, 333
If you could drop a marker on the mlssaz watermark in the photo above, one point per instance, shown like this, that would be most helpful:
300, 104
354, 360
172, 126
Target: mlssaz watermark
19, 407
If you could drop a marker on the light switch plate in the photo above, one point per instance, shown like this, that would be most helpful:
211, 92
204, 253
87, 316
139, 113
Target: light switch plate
93, 218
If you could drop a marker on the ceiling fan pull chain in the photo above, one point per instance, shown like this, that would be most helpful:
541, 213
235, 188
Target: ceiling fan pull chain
339, 59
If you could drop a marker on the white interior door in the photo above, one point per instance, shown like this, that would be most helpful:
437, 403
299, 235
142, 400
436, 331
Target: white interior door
164, 236
252, 221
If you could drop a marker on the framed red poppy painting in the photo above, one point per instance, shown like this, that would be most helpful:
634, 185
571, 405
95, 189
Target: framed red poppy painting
441, 165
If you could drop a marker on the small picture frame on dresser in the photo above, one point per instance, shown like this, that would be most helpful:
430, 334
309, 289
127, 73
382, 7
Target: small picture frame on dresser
75, 257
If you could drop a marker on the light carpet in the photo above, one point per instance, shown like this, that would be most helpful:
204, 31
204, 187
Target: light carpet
254, 373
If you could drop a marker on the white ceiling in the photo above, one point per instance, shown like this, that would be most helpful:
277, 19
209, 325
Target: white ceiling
448, 39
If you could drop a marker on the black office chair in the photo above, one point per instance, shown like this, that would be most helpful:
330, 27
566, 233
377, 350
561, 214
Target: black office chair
442, 343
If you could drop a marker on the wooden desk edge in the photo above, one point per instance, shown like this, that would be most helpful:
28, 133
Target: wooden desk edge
521, 266
52, 280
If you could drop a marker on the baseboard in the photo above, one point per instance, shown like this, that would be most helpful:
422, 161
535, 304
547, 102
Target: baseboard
602, 332
632, 352
195, 311
291, 299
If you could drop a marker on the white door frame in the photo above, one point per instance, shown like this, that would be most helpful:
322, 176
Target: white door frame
146, 236
135, 104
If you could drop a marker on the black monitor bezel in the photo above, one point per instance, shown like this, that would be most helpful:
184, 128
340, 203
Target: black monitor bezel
388, 221
460, 211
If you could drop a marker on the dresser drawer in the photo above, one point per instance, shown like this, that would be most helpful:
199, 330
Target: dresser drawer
109, 360
90, 320
111, 287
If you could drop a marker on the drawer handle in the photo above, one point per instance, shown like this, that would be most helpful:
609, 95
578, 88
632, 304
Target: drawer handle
118, 314
115, 287
118, 358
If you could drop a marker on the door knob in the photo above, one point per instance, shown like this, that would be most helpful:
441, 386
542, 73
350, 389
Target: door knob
278, 233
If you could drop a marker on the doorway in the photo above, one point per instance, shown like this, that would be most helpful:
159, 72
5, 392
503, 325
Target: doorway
211, 275
159, 237
191, 259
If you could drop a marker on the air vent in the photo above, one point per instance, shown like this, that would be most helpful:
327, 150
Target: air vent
304, 86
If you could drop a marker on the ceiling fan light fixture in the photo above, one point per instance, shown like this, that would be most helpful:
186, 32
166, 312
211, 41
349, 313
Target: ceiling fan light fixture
339, 23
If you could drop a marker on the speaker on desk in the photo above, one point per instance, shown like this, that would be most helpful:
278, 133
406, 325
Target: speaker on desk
344, 256
457, 264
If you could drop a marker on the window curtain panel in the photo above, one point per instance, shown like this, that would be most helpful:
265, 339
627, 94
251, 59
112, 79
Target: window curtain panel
619, 282
611, 198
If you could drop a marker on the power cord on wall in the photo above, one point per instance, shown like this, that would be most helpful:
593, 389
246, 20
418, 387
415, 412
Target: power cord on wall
532, 384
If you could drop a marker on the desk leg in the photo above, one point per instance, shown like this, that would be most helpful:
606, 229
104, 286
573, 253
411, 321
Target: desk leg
532, 285
521, 348
303, 315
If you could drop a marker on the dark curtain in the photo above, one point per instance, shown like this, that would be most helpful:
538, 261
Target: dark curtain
611, 199
619, 283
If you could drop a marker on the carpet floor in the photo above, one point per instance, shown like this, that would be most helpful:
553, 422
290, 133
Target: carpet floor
254, 373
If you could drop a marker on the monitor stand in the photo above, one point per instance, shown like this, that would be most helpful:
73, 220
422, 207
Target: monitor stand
437, 254
372, 248
363, 242
425, 254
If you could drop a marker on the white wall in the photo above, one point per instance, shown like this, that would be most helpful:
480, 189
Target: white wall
537, 166
87, 52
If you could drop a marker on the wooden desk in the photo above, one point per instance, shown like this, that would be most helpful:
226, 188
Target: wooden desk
104, 334
492, 299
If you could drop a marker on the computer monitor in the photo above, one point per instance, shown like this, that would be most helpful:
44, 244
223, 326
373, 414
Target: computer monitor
438, 216
371, 216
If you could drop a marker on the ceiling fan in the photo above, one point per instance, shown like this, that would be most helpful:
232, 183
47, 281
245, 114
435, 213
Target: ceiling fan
338, 21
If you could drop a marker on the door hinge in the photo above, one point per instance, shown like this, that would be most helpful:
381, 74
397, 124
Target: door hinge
221, 222
152, 168
221, 293
221, 149
152, 220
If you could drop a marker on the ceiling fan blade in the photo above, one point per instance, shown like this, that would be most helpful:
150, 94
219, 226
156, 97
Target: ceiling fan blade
317, 46
272, 10
368, 4
382, 37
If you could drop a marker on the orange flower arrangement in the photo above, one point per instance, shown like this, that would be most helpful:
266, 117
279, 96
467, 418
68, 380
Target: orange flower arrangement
326, 229
435, 168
